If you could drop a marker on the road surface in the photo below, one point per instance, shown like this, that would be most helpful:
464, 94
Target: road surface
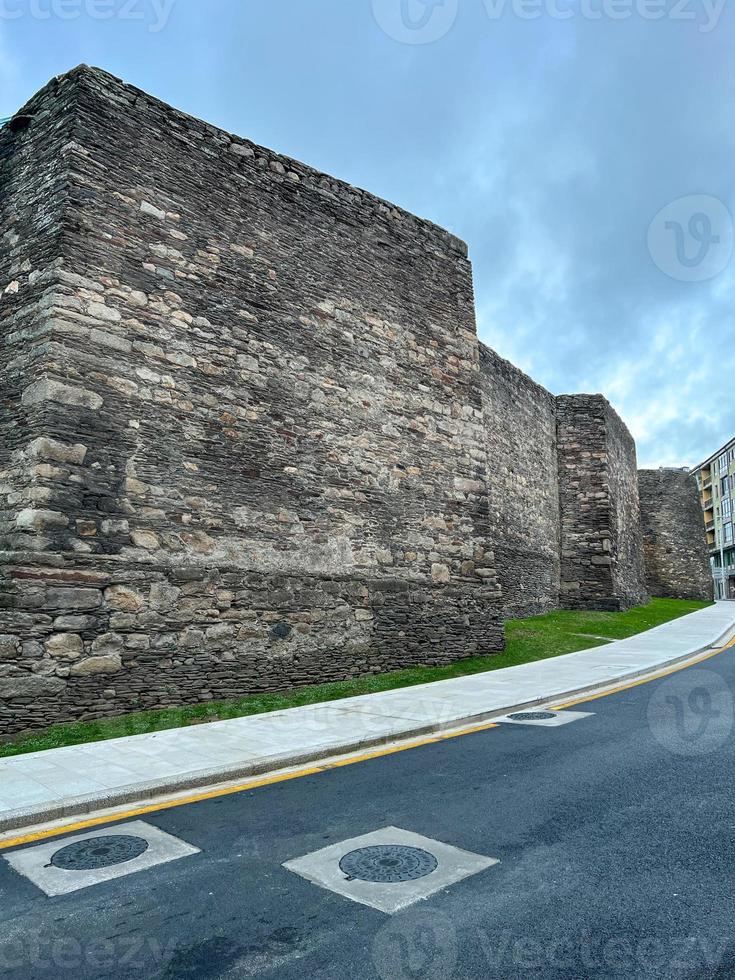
615, 836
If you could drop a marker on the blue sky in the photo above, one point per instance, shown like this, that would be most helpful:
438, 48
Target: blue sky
584, 149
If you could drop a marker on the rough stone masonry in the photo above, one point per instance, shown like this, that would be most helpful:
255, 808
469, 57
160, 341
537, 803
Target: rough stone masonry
674, 538
249, 439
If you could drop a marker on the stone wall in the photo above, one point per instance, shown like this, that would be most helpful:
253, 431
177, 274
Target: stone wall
249, 439
523, 490
243, 442
674, 539
601, 545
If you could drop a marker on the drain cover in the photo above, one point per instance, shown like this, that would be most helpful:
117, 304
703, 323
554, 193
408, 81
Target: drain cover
99, 852
533, 715
388, 862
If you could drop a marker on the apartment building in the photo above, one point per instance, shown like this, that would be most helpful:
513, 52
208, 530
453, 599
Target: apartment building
716, 482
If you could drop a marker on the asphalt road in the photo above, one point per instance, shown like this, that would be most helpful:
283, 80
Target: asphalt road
615, 836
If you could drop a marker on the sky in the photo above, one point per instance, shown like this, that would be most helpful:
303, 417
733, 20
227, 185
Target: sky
584, 149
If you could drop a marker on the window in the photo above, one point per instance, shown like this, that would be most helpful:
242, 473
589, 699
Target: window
723, 462
726, 507
728, 534
725, 484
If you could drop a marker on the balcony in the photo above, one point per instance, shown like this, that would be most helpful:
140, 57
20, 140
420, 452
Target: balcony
707, 504
707, 483
710, 525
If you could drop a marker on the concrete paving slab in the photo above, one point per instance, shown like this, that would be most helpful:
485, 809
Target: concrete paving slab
421, 867
556, 719
42, 863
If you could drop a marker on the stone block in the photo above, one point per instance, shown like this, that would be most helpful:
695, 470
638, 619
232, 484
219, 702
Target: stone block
109, 664
48, 390
123, 598
40, 520
57, 452
65, 646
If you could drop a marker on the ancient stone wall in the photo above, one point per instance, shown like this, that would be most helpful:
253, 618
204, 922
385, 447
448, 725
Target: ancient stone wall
628, 568
674, 539
523, 490
244, 445
248, 437
601, 546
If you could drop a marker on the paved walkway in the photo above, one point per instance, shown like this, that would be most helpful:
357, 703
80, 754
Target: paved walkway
56, 783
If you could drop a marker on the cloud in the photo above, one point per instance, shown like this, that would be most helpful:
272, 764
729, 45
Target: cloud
548, 145
559, 187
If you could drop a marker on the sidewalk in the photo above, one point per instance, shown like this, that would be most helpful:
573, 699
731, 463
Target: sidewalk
44, 786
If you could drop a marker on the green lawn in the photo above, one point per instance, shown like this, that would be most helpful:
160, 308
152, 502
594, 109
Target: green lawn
527, 640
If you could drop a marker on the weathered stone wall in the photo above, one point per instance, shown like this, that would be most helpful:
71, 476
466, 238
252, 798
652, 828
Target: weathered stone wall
244, 442
248, 437
601, 546
523, 489
33, 198
628, 568
674, 539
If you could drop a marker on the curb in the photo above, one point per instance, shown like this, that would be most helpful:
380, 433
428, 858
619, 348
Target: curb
139, 792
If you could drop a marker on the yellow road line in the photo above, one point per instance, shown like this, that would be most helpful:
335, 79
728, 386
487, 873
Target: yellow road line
313, 770
468, 731
155, 807
226, 790
645, 680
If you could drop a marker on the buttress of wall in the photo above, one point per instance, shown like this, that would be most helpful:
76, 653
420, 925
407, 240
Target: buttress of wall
674, 538
264, 398
628, 567
523, 497
33, 202
600, 528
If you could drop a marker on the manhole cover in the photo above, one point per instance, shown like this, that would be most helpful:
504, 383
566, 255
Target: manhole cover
533, 715
99, 852
388, 862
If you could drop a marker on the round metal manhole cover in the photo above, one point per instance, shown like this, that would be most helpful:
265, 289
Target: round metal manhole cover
99, 852
388, 862
533, 715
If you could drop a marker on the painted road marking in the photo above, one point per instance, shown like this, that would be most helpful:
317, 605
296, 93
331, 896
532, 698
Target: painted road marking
646, 680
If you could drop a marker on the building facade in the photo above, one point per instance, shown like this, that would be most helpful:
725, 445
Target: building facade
716, 483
